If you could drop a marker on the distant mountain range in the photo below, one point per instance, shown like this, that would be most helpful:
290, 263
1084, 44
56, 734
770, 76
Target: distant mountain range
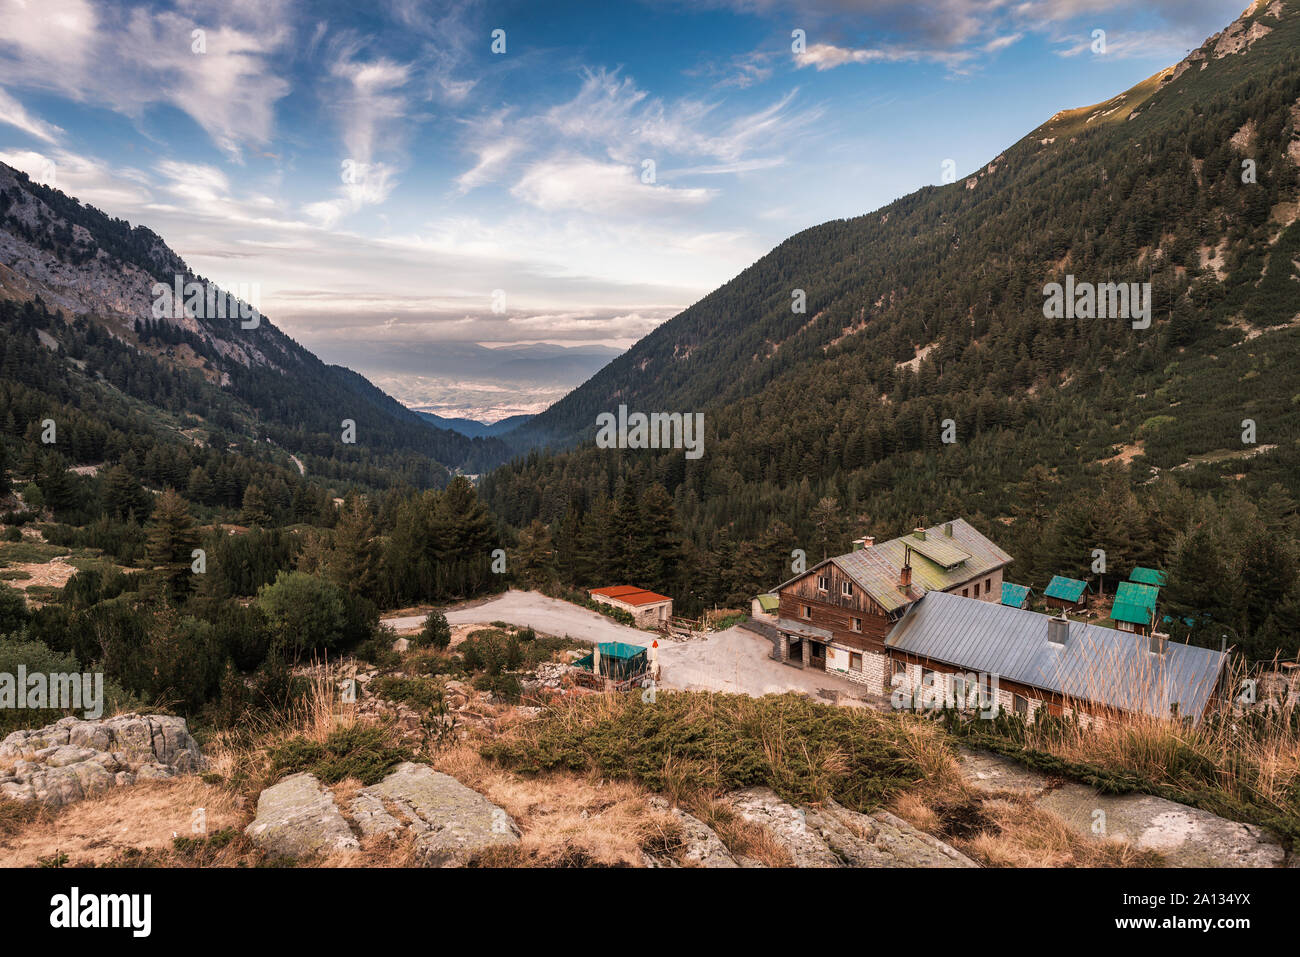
473, 429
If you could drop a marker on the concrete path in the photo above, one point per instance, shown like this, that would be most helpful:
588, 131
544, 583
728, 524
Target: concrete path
734, 660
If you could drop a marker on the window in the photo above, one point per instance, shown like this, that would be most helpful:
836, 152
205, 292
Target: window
855, 661
846, 588
965, 593
1020, 704
900, 667
959, 691
857, 624
988, 585
823, 582
806, 610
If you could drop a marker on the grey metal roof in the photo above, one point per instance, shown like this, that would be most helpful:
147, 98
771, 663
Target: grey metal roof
1102, 665
803, 628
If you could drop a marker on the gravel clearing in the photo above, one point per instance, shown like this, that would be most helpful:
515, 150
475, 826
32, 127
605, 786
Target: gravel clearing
735, 660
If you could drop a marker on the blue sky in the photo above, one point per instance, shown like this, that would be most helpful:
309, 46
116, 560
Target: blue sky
379, 172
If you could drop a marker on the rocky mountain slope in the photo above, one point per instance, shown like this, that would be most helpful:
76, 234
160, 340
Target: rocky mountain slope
79, 261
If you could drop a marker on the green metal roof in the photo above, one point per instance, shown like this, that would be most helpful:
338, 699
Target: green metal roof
769, 602
1066, 589
618, 649
1134, 603
1148, 576
1014, 596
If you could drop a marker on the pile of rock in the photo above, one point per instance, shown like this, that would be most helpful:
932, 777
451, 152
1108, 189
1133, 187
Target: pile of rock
73, 759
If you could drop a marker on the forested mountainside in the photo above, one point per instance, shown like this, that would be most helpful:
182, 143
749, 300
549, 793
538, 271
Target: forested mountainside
256, 382
1070, 433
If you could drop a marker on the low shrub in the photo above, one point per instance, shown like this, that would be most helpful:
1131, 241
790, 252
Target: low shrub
358, 751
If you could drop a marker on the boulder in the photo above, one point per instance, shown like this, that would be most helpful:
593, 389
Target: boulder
452, 824
787, 824
1184, 836
831, 835
297, 818
73, 759
701, 845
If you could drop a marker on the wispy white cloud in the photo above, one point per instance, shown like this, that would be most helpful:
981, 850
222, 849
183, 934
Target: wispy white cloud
573, 182
12, 113
225, 79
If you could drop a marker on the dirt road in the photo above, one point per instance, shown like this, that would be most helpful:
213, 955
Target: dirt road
734, 660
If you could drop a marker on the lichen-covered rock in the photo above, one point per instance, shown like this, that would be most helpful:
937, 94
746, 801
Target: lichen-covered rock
297, 818
834, 836
1183, 836
701, 845
787, 824
73, 759
452, 824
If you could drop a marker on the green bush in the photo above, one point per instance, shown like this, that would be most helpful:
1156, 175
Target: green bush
309, 615
13, 610
691, 741
359, 751
436, 633
491, 651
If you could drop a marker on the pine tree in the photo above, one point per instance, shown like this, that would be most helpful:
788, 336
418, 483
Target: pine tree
535, 561
171, 541
353, 563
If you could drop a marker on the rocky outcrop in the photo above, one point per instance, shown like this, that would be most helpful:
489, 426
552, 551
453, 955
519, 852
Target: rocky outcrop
297, 818
831, 835
452, 824
1183, 836
701, 847
73, 759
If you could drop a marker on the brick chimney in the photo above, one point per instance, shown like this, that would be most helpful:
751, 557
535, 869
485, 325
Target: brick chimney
905, 578
865, 542
918, 533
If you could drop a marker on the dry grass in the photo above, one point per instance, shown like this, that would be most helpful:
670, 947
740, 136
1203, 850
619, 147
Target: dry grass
1251, 759
1007, 829
743, 838
144, 817
242, 754
1027, 836
566, 819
